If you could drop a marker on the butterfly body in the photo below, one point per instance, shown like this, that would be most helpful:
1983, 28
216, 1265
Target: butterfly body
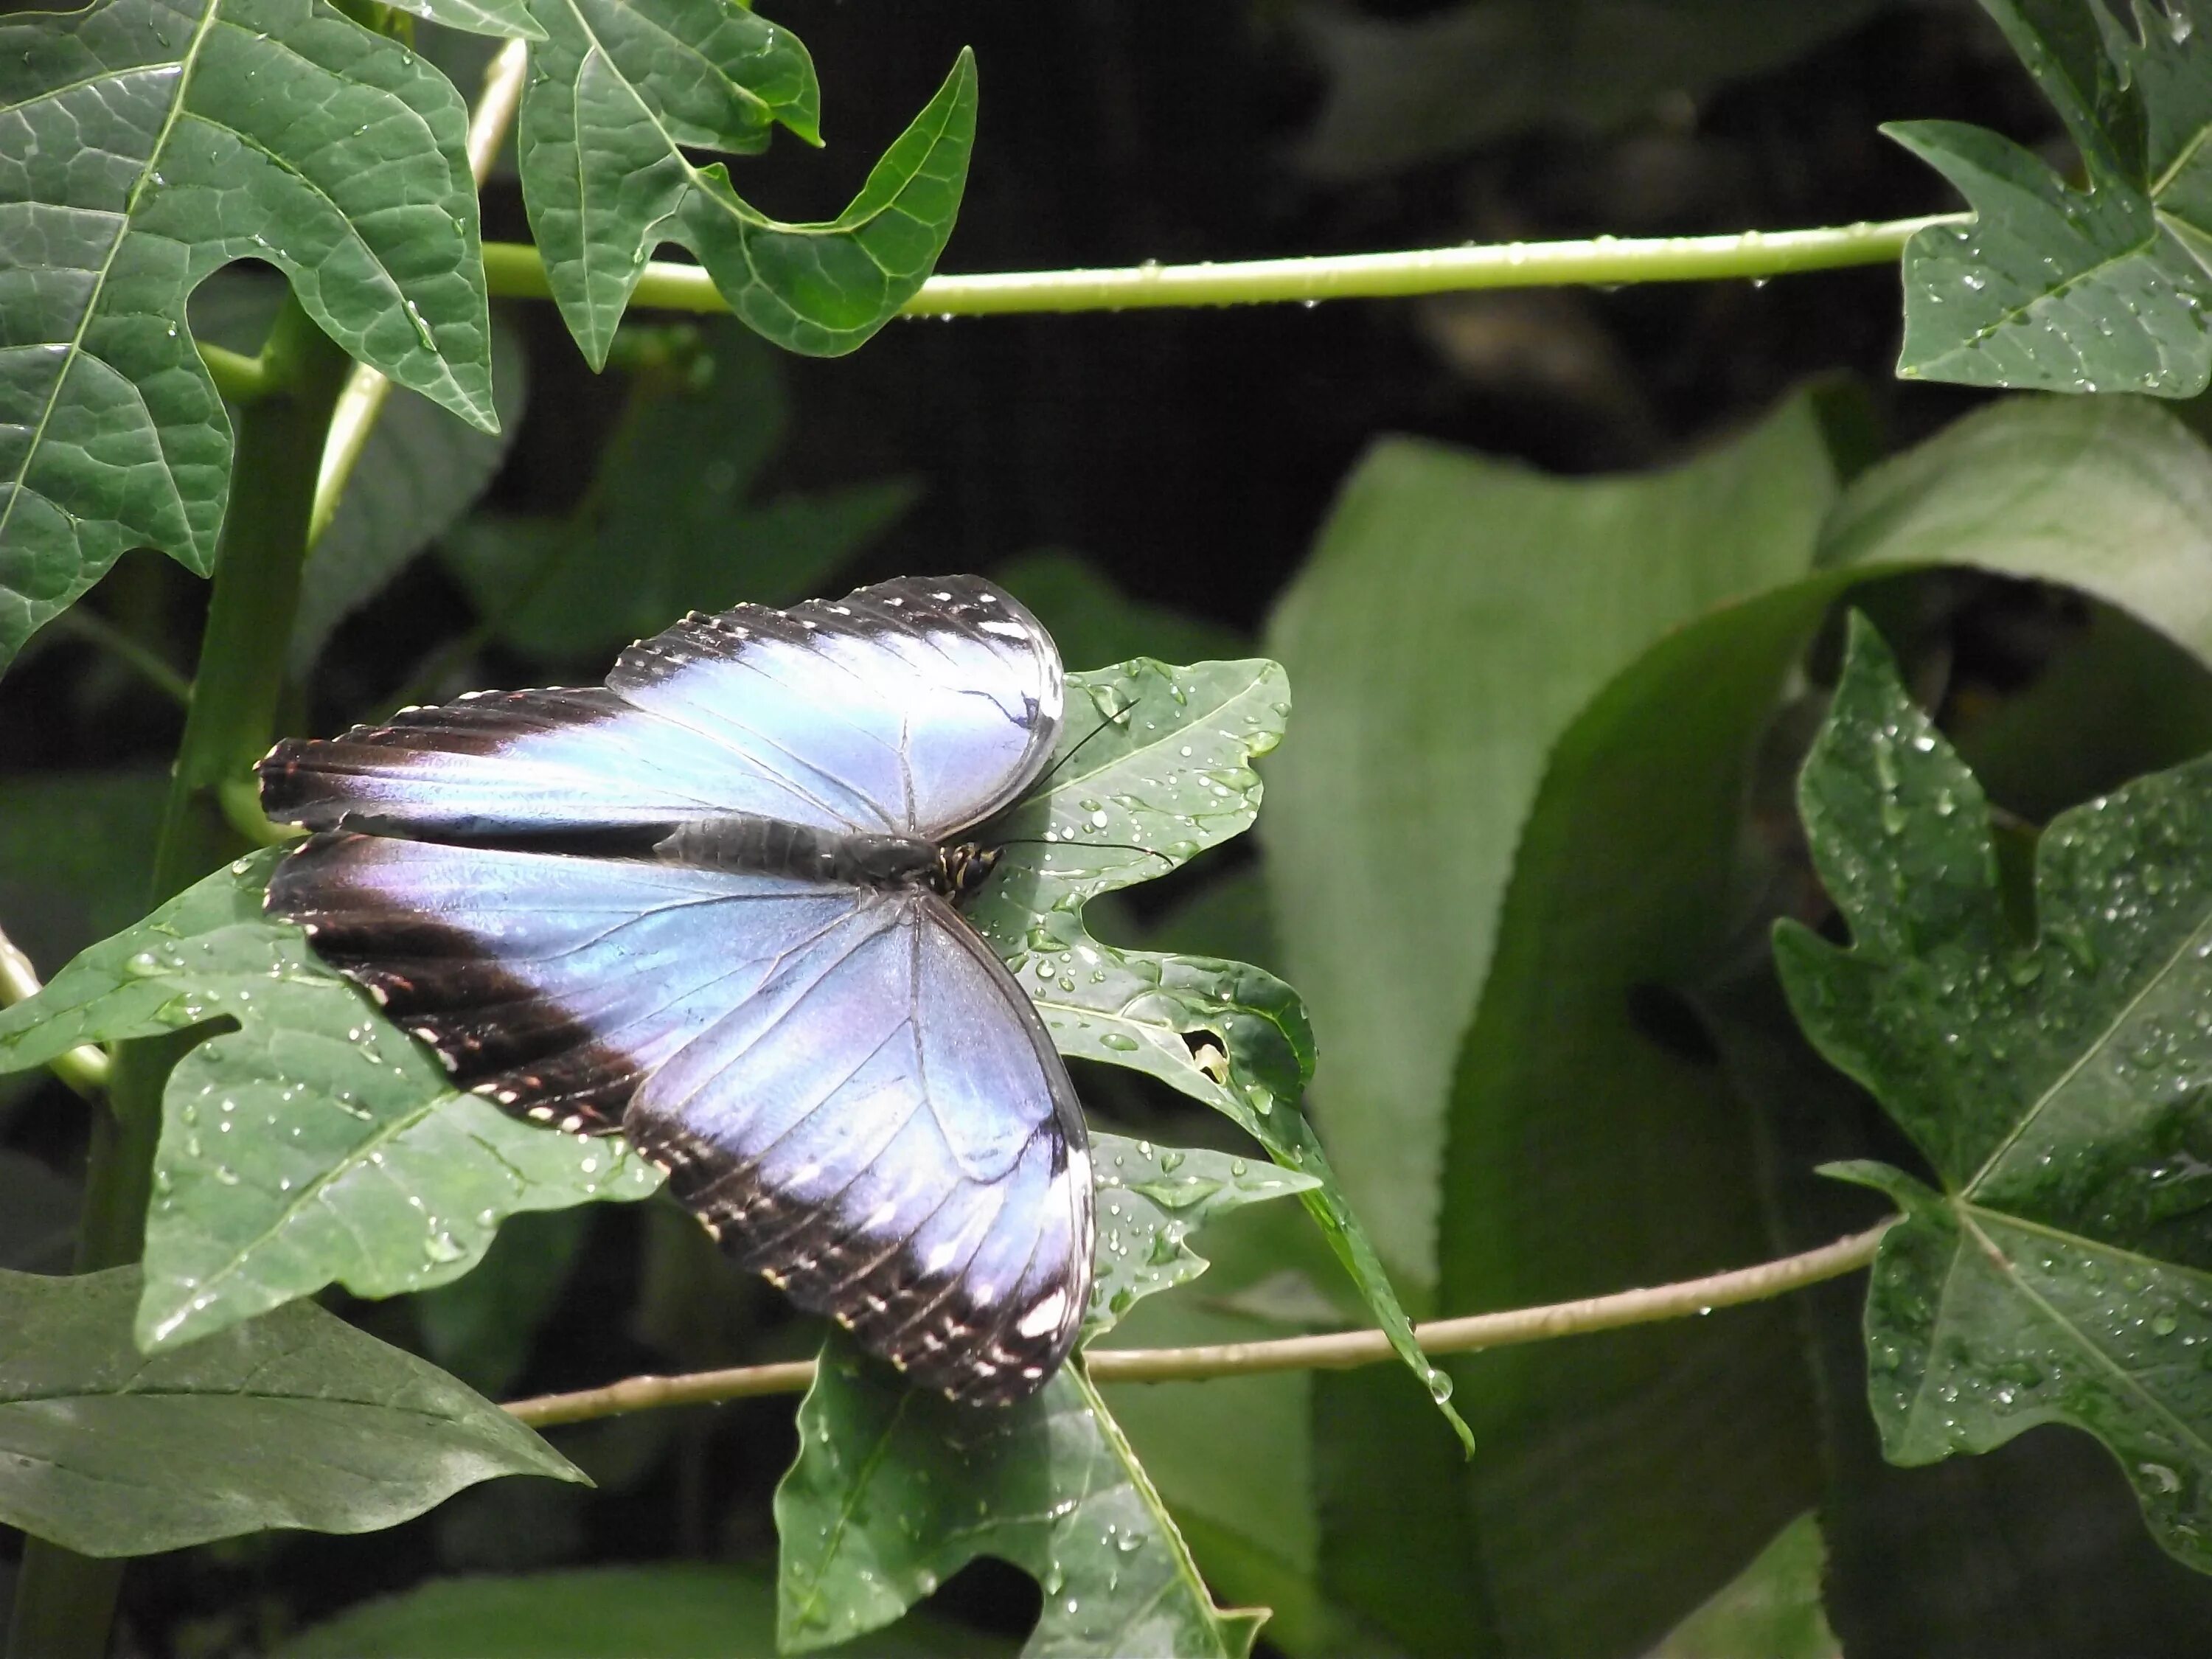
711, 905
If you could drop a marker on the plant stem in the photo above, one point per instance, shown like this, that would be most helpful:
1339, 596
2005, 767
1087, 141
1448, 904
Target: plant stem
66, 1603
84, 1067
239, 379
1337, 1351
367, 390
515, 271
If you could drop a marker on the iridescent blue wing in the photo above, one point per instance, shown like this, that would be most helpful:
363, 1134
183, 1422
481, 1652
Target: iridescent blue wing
845, 1084
916, 707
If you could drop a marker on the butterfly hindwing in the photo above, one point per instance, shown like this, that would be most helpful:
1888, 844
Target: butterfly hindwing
916, 707
844, 1083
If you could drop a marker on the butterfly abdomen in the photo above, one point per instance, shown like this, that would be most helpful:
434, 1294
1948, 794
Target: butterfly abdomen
774, 846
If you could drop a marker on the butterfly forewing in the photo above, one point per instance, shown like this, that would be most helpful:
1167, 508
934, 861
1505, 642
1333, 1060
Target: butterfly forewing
915, 707
842, 1080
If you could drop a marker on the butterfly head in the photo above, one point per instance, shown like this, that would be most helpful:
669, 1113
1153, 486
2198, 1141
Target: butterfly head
962, 870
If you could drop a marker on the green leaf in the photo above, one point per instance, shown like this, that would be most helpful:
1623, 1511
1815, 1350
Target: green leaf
1623, 845
675, 519
1457, 614
665, 1612
150, 141
2064, 1273
615, 96
1771, 1610
1160, 770
295, 1419
894, 1489
420, 470
2101, 287
315, 1145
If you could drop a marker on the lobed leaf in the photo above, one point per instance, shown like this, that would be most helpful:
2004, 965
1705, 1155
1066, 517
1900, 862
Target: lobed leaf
616, 95
293, 1419
2101, 286
1163, 772
143, 145
315, 1144
2063, 1270
894, 1489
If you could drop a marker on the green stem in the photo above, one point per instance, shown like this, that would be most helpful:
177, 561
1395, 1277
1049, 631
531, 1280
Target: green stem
515, 271
66, 1603
96, 630
239, 379
1333, 1351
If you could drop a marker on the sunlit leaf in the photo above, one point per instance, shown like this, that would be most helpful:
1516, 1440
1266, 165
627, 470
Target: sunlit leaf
148, 142
896, 1488
615, 97
293, 1419
315, 1144
1155, 765
2063, 1271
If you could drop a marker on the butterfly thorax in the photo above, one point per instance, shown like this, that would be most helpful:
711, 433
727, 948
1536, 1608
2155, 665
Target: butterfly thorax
776, 847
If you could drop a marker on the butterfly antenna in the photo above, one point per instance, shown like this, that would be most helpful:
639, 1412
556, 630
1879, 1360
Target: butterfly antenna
1110, 719
1118, 846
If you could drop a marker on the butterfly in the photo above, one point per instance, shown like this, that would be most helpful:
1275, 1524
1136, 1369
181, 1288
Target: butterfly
712, 904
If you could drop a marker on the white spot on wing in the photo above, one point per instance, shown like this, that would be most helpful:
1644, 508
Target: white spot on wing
1045, 1318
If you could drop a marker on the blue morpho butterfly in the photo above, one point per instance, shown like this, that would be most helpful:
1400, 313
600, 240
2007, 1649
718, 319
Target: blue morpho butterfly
709, 904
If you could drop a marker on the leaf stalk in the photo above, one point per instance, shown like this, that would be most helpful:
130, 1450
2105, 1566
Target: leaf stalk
1334, 1350
515, 271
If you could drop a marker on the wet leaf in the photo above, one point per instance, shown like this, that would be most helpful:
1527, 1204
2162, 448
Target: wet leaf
896, 1488
677, 519
315, 1144
150, 141
613, 104
2063, 1270
293, 1419
1155, 765
2097, 288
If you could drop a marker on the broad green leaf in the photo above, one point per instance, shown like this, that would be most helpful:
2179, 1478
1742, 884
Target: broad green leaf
315, 1145
1456, 616
1095, 623
896, 1488
420, 470
293, 1419
1629, 876
664, 1612
1771, 1610
676, 518
615, 97
1404, 90
1154, 765
148, 142
1233, 1456
2063, 1273
2097, 287
77, 854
